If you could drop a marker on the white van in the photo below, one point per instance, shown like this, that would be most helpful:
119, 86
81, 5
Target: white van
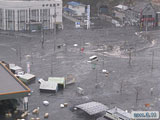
93, 58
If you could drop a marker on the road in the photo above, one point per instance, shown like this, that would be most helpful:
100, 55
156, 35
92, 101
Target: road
118, 89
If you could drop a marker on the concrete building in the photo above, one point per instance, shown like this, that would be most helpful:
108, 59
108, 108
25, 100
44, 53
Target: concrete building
30, 15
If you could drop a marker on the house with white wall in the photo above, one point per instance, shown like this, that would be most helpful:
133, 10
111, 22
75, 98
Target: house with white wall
78, 8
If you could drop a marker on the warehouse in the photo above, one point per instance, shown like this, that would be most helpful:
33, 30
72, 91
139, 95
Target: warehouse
21, 15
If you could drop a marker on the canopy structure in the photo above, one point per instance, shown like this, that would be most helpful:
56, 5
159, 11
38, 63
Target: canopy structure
92, 108
11, 87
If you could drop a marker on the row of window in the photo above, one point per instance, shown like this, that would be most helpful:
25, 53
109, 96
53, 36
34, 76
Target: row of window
50, 5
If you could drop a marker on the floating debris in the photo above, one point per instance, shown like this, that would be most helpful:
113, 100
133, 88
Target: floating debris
45, 103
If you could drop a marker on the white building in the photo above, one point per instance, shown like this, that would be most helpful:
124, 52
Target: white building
78, 8
30, 15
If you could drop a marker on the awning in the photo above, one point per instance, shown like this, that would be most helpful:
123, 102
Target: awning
11, 87
92, 108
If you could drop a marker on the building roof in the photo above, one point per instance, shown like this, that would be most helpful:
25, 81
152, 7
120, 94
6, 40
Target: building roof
27, 76
75, 3
11, 87
59, 80
120, 113
49, 86
69, 10
122, 7
139, 7
92, 108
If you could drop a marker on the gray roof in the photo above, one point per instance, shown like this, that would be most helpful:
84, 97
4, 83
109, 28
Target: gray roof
48, 85
11, 86
140, 6
120, 113
92, 108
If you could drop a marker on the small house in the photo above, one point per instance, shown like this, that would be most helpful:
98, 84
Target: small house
48, 86
59, 80
143, 14
75, 8
119, 12
148, 16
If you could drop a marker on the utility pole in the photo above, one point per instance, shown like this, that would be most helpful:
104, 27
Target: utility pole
152, 60
54, 40
103, 55
55, 29
121, 87
29, 20
130, 56
42, 32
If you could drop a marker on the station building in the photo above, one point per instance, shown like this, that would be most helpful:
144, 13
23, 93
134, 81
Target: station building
18, 15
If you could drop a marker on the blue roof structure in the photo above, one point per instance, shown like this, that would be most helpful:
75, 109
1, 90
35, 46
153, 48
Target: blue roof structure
69, 10
74, 3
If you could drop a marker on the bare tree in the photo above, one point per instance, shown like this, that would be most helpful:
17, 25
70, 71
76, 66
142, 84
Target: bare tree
121, 87
138, 89
130, 56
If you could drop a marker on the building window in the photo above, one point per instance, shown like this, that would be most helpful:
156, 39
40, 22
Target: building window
46, 4
50, 5
43, 5
57, 4
54, 5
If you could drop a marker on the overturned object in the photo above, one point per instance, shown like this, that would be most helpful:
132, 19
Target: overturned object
25, 114
92, 108
45, 103
32, 119
8, 115
61, 105
36, 111
65, 104
93, 58
46, 115
80, 91
40, 80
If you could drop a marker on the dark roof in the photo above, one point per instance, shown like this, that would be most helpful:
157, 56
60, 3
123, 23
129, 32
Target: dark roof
10, 86
92, 108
